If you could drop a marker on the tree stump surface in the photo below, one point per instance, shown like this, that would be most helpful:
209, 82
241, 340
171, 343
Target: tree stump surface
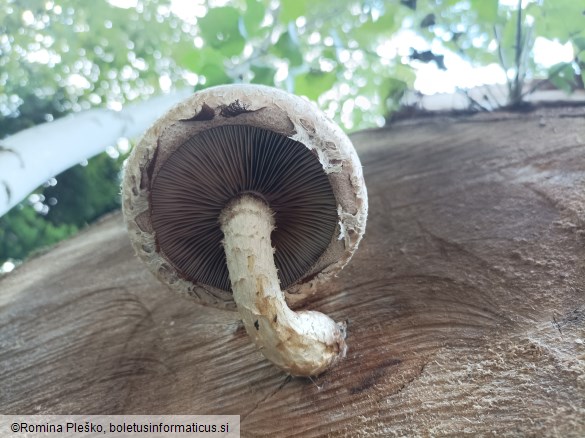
465, 301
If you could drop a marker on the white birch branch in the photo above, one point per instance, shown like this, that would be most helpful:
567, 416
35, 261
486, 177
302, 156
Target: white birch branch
33, 156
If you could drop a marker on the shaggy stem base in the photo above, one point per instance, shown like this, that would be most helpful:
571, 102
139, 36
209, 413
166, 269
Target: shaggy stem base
302, 343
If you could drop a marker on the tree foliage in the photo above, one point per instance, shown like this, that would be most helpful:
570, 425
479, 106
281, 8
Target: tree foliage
61, 56
343, 52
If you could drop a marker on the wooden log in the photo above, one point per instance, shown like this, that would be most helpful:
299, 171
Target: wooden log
465, 301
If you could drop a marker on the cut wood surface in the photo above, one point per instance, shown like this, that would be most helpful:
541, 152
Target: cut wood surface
465, 304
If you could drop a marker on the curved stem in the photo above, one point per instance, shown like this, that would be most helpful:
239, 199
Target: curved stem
302, 343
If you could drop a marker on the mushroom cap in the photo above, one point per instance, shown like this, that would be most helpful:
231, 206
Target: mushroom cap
222, 123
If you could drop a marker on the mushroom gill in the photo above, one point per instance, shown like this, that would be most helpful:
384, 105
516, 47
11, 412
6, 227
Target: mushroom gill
218, 165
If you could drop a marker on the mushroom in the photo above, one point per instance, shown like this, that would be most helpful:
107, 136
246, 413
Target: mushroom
242, 192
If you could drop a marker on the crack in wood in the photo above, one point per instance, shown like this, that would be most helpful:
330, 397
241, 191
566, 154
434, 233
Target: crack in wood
264, 399
411, 380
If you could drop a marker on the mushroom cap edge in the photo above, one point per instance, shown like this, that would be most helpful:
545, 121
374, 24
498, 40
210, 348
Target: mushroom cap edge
283, 112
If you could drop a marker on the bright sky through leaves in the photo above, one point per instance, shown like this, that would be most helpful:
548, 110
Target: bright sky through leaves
429, 78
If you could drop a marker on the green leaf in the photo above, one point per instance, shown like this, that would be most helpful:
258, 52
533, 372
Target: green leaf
404, 73
196, 59
562, 76
263, 74
395, 89
290, 10
288, 48
314, 83
187, 56
392, 91
579, 43
22, 231
329, 53
371, 30
214, 75
220, 29
253, 16
561, 19
487, 10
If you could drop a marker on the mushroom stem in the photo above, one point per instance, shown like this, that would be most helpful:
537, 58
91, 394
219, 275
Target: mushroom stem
302, 343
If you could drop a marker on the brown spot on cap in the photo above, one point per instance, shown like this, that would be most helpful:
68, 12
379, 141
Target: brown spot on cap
234, 109
206, 113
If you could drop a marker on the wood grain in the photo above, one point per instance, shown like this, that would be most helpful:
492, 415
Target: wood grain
465, 303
